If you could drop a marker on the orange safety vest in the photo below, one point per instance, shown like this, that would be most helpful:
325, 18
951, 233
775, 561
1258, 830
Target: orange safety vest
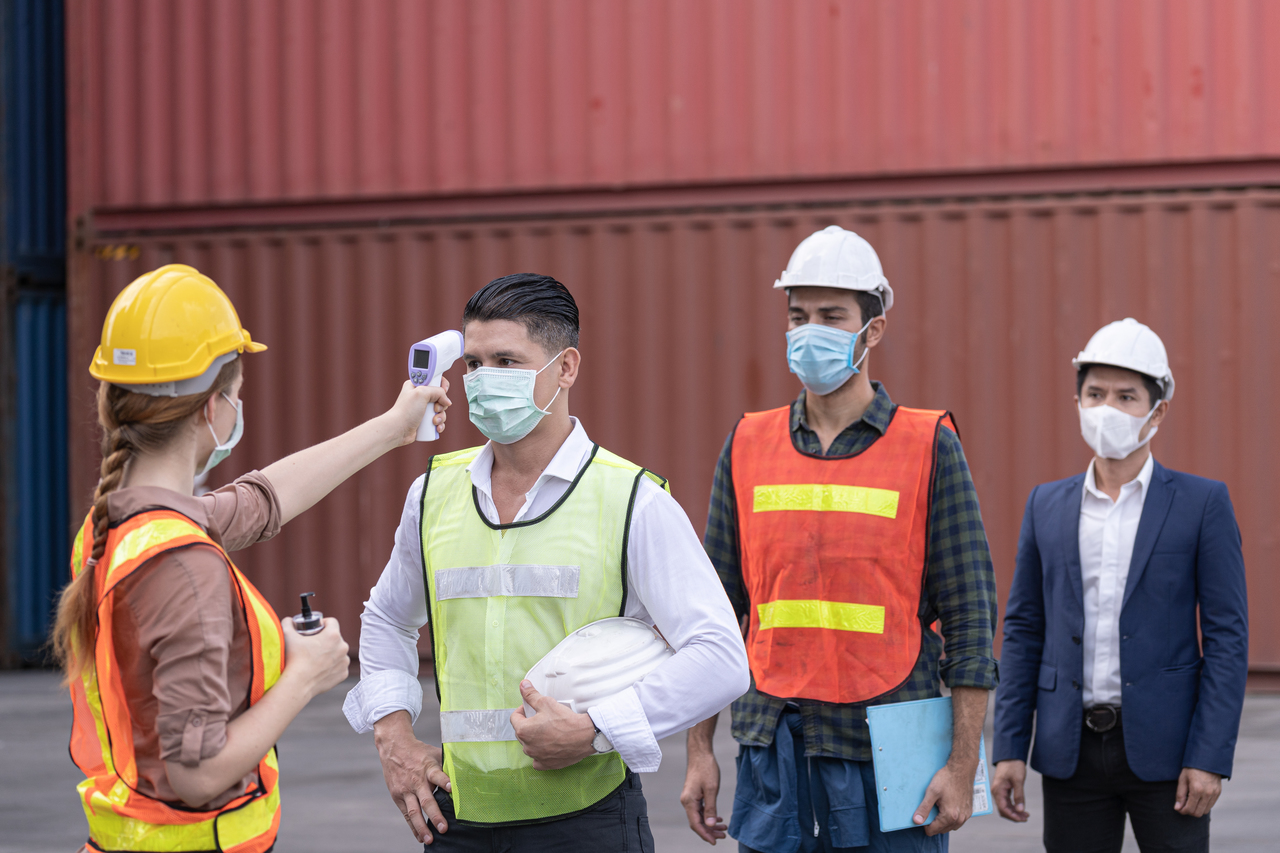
833, 552
121, 818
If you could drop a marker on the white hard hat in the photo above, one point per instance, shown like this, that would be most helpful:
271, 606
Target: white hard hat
598, 661
834, 257
1129, 344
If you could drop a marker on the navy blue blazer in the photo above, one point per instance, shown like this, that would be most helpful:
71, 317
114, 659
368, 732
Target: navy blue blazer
1181, 705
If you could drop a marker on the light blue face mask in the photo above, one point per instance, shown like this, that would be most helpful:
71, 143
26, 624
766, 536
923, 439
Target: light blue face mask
223, 450
822, 356
500, 401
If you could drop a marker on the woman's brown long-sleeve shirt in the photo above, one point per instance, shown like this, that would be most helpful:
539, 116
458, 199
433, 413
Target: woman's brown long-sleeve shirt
180, 636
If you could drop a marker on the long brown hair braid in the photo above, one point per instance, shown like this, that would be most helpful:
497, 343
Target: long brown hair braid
131, 423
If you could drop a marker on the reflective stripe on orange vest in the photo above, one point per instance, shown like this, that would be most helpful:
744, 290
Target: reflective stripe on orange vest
833, 555
121, 818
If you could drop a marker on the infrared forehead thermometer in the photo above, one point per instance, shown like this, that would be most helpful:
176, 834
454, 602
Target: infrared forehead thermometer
428, 360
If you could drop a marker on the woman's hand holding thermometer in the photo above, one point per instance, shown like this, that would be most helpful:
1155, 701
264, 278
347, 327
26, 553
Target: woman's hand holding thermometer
428, 360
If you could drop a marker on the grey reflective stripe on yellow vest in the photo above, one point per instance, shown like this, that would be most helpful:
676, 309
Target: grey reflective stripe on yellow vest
499, 598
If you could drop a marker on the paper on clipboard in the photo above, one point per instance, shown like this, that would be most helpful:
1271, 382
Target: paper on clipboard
910, 742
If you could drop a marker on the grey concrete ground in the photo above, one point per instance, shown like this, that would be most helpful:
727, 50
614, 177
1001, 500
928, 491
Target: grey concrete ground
335, 800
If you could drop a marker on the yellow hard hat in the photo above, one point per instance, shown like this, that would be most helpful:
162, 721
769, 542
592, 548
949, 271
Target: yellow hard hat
168, 333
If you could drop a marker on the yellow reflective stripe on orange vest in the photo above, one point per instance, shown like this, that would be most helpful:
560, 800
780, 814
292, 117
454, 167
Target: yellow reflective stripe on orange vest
272, 653
244, 826
112, 831
77, 551
833, 615
90, 679
151, 535
824, 497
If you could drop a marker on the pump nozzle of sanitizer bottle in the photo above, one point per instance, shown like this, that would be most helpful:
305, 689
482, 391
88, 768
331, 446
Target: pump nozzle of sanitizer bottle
428, 360
308, 621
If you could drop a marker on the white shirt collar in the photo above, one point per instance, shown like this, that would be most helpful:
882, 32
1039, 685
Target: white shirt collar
565, 465
1142, 481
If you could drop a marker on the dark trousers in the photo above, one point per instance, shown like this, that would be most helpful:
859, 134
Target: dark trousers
619, 822
1085, 814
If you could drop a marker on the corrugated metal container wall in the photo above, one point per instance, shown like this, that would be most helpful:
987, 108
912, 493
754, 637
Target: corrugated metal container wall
35, 184
235, 100
38, 511
682, 332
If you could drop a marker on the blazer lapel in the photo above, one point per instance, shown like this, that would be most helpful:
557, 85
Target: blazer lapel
1069, 533
1154, 511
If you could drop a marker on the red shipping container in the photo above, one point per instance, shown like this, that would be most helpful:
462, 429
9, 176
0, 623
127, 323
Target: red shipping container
682, 332
255, 100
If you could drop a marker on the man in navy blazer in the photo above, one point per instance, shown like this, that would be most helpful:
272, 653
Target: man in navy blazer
1133, 713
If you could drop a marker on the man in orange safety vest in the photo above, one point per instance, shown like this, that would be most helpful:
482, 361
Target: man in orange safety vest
845, 529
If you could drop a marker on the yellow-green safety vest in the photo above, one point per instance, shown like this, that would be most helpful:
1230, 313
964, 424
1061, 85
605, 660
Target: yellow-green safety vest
499, 597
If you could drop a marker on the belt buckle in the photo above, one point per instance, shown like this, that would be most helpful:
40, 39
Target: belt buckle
1101, 718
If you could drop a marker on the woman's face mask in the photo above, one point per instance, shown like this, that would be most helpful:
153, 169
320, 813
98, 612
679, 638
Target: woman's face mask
500, 401
822, 356
222, 450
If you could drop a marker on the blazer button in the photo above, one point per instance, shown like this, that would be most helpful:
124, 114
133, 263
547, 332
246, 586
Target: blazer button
1075, 640
1075, 685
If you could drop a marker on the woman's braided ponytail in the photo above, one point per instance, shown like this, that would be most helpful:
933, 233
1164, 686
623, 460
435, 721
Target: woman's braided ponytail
117, 448
131, 423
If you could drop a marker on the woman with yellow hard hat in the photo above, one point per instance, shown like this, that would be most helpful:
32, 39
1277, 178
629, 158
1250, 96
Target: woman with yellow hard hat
182, 676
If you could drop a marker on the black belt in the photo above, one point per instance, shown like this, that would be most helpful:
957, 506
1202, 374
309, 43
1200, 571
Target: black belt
1102, 718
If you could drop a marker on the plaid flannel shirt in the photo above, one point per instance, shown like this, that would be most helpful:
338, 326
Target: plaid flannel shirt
959, 590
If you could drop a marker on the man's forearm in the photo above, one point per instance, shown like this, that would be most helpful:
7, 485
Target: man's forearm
969, 712
701, 736
391, 730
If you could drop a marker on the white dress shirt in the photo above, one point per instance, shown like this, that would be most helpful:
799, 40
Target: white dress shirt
670, 583
1107, 531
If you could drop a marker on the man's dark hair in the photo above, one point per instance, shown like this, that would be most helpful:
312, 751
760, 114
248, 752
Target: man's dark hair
870, 304
1152, 386
544, 306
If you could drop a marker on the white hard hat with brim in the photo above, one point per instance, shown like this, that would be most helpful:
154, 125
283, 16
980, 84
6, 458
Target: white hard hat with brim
834, 257
1133, 346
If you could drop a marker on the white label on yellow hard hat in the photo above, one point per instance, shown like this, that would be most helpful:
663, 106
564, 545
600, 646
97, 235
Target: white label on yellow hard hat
125, 356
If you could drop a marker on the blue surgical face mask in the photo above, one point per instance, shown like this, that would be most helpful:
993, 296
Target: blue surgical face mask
500, 401
822, 356
221, 449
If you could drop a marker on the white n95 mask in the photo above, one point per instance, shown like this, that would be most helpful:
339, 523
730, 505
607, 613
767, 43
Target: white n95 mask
500, 401
1111, 433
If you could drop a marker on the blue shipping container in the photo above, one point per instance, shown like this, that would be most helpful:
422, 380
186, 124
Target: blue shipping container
35, 192
33, 257
40, 550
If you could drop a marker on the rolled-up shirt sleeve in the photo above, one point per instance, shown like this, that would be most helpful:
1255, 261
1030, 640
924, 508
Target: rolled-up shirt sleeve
244, 512
673, 586
181, 608
389, 627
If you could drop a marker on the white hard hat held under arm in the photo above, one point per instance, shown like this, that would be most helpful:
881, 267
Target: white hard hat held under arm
834, 257
598, 661
1131, 345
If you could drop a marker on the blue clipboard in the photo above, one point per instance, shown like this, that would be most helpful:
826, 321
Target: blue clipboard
910, 742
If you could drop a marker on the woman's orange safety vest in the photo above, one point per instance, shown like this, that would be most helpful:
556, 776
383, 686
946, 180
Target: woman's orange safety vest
121, 818
833, 552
